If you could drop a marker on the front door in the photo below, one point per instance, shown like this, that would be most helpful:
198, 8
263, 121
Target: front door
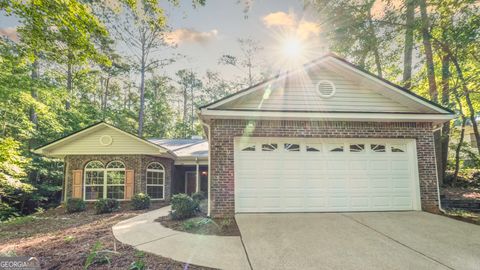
190, 182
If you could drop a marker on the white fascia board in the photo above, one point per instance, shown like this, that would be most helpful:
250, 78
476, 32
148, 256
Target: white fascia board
331, 116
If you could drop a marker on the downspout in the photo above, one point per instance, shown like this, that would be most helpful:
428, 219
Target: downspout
209, 163
436, 172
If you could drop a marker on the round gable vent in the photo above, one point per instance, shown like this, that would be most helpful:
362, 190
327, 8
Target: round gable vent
106, 140
326, 89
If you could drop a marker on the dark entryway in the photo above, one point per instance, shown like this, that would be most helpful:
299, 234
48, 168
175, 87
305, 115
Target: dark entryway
185, 179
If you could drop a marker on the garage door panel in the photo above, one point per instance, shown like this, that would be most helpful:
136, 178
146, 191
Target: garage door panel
282, 181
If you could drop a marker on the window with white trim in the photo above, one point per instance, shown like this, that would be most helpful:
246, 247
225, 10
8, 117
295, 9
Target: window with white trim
335, 147
357, 148
115, 184
156, 181
269, 147
398, 148
94, 180
378, 148
104, 182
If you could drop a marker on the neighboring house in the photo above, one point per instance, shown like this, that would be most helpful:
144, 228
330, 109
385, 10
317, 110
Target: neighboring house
326, 137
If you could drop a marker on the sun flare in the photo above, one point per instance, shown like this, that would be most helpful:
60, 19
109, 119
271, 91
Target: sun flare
293, 48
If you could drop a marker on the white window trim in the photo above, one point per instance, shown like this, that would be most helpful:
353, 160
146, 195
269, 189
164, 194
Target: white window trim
155, 185
104, 185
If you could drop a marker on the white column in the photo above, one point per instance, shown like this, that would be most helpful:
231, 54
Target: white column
197, 176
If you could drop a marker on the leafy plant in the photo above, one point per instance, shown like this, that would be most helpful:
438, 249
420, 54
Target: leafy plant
95, 256
140, 201
139, 263
198, 196
183, 206
74, 205
103, 206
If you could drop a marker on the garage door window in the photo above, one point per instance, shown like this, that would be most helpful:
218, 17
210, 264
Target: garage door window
292, 147
335, 148
357, 148
269, 147
313, 148
378, 148
250, 148
398, 148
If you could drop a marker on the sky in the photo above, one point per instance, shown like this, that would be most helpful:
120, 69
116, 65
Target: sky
203, 34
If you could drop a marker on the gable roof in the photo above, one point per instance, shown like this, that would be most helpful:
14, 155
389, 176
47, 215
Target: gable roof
51, 148
184, 148
390, 98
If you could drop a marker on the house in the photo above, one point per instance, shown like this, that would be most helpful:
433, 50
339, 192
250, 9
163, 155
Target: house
102, 161
325, 137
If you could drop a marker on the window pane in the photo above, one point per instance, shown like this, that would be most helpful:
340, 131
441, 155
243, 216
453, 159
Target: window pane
115, 192
154, 178
116, 165
94, 178
292, 147
313, 148
115, 177
155, 166
249, 148
357, 148
269, 147
155, 192
93, 193
379, 148
94, 165
398, 148
335, 148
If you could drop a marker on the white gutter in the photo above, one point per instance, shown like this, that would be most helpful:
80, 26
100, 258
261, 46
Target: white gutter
438, 182
209, 166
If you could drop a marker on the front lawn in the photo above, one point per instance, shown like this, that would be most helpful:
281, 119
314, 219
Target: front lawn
72, 241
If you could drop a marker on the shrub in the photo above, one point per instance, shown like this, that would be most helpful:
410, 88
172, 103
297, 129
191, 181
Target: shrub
198, 196
106, 206
140, 201
75, 205
183, 206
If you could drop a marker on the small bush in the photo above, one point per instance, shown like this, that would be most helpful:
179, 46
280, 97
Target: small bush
75, 205
106, 206
198, 196
183, 206
140, 201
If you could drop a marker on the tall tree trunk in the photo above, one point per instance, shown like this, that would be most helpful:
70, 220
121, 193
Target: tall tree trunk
192, 109
457, 151
466, 93
427, 45
374, 41
105, 95
185, 107
408, 49
445, 139
33, 90
142, 100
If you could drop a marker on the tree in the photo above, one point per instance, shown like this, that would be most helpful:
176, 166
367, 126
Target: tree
249, 60
189, 84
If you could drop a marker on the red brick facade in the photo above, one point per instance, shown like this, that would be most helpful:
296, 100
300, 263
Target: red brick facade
223, 133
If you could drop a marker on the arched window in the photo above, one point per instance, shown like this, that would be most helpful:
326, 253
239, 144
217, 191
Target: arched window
115, 184
104, 182
94, 180
156, 181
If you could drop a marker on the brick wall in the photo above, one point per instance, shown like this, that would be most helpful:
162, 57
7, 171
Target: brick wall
138, 163
222, 150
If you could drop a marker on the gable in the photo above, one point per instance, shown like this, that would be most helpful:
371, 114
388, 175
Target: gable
358, 96
101, 139
299, 93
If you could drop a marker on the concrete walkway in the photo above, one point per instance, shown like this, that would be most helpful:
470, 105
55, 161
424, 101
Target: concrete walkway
144, 233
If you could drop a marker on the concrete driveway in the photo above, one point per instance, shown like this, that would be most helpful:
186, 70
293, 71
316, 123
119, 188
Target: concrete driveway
377, 240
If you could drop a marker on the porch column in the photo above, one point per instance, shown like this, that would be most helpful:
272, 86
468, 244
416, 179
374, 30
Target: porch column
197, 176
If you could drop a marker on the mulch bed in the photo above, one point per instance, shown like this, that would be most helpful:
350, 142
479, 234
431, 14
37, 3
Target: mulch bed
202, 225
452, 193
63, 241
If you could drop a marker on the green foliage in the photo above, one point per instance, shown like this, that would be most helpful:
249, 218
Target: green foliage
103, 206
74, 205
139, 263
183, 206
96, 256
198, 196
69, 239
140, 201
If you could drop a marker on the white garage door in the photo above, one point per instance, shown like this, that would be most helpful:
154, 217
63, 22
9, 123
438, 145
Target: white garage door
325, 175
